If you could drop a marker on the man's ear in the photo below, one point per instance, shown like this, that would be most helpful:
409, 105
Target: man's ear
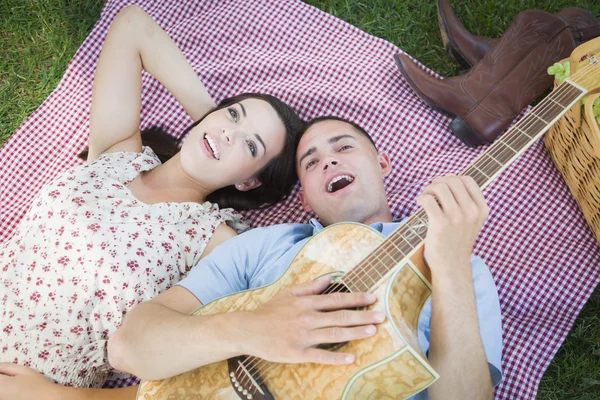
248, 184
302, 199
384, 163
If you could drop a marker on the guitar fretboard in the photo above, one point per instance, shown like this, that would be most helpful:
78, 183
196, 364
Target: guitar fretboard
375, 268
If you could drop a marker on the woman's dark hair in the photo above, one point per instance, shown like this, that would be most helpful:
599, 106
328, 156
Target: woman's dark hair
277, 177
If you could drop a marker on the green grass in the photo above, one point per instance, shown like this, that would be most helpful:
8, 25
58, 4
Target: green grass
37, 39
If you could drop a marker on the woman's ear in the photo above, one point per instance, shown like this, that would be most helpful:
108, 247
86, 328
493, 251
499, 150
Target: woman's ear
248, 184
384, 163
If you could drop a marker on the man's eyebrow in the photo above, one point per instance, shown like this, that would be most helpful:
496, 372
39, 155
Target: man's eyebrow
261, 141
340, 137
243, 110
308, 153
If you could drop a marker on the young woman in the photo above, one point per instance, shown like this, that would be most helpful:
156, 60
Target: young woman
124, 227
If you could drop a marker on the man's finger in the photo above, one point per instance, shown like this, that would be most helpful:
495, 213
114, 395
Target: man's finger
348, 318
313, 287
441, 191
461, 193
340, 300
341, 335
475, 193
431, 206
321, 356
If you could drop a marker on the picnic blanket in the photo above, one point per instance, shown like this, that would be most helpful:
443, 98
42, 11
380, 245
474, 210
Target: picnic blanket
542, 255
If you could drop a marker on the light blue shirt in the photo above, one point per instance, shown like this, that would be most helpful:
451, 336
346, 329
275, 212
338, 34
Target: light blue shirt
260, 256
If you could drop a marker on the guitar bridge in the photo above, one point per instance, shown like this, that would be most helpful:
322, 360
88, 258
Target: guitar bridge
243, 375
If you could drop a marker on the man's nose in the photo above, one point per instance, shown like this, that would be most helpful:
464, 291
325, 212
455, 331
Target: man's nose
330, 162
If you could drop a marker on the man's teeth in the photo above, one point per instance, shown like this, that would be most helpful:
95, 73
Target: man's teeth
338, 178
213, 146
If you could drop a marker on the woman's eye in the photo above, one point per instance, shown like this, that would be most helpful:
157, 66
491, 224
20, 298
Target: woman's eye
345, 147
252, 148
311, 163
234, 114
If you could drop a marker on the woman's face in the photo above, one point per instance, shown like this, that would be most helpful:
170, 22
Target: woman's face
232, 144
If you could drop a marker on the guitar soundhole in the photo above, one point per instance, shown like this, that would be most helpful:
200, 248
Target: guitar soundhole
335, 286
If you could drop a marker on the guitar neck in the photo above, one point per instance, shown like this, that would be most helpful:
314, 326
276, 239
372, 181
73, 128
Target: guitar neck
377, 266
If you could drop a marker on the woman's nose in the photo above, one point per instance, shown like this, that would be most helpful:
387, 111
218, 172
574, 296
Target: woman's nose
226, 136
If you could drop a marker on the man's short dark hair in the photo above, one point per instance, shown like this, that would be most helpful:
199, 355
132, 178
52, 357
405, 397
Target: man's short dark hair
356, 127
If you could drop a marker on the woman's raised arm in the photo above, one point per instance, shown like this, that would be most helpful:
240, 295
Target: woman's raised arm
134, 41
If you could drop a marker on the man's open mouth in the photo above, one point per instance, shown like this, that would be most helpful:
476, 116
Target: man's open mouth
210, 143
339, 182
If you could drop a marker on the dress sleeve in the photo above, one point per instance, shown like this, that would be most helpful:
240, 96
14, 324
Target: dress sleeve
488, 317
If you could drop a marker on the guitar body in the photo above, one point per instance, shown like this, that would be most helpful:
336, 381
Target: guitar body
389, 365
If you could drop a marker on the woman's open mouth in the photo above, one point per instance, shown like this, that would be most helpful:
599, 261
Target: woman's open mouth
211, 146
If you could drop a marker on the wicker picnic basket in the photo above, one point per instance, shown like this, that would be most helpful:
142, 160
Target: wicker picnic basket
574, 145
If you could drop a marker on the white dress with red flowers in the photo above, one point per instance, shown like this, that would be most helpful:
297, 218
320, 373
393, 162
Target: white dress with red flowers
86, 252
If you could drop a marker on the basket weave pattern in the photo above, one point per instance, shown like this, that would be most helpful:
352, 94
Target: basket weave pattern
574, 145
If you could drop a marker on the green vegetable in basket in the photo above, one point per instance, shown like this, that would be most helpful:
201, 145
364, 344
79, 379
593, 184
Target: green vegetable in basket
560, 71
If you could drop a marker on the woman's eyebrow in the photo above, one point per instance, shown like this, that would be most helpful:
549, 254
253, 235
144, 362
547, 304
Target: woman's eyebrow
261, 141
243, 109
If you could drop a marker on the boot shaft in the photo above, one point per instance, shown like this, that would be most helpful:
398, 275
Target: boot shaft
513, 72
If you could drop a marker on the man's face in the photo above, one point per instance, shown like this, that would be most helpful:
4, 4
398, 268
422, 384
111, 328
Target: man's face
341, 173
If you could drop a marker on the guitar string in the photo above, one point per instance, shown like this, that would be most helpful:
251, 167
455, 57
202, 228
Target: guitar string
264, 370
545, 107
528, 121
360, 272
526, 125
557, 93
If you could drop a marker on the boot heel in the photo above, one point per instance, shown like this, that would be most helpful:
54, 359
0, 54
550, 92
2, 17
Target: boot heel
466, 133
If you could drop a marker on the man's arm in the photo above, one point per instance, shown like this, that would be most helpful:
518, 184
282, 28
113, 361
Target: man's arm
456, 350
456, 210
159, 340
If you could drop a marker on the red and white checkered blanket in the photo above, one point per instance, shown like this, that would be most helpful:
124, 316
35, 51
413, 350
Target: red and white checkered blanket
543, 256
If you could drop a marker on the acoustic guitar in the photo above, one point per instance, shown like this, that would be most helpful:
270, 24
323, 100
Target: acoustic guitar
390, 364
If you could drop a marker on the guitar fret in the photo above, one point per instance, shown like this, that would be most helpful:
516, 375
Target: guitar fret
351, 282
507, 145
522, 131
411, 234
366, 273
492, 157
554, 101
538, 117
397, 248
381, 262
480, 171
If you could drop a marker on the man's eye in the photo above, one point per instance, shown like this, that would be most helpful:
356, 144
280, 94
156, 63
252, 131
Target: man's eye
252, 147
345, 147
234, 114
310, 164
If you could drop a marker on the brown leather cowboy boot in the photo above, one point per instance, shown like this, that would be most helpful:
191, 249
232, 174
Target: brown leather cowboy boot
468, 49
486, 99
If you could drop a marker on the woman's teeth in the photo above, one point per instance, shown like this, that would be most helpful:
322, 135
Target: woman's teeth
213, 146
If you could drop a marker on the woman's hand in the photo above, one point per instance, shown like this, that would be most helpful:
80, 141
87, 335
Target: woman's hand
19, 382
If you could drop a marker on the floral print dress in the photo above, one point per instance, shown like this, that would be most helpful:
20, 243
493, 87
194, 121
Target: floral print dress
85, 253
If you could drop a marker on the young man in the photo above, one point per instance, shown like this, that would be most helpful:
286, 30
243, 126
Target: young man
459, 327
